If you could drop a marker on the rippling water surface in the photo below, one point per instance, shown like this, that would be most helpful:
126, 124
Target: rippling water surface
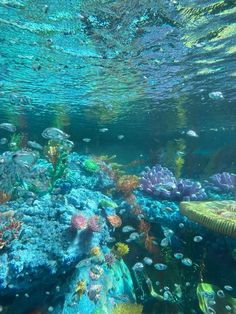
145, 67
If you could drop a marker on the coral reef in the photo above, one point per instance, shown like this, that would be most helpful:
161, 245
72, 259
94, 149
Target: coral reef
222, 182
160, 182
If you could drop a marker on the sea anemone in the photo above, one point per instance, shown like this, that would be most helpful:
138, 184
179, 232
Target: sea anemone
115, 221
95, 223
79, 222
95, 250
120, 249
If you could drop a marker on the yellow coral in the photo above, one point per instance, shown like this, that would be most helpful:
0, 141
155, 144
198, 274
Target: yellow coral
80, 287
95, 250
120, 249
128, 308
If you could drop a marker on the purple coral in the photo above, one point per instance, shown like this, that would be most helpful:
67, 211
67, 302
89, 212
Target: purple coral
222, 182
160, 182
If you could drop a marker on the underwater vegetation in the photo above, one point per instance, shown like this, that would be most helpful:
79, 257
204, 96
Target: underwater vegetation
128, 308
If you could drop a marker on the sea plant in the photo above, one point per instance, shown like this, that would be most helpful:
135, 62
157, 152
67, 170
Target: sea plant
120, 249
222, 182
57, 153
91, 165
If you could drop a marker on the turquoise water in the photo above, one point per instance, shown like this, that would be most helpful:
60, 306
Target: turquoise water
118, 86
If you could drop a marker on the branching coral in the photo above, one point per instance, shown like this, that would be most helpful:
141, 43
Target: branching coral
161, 182
9, 228
222, 182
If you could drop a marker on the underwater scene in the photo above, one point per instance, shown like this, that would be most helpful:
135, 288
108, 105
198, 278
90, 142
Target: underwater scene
117, 157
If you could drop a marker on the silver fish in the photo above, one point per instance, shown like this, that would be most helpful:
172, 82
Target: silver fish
24, 158
54, 134
127, 229
192, 133
3, 141
86, 140
103, 130
34, 145
8, 127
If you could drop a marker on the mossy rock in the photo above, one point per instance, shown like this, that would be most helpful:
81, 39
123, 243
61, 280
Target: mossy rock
219, 216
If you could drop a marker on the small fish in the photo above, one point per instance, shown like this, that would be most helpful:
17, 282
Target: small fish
120, 137
180, 154
160, 266
165, 242
192, 133
187, 262
178, 255
228, 307
103, 130
181, 225
127, 229
86, 140
3, 141
216, 95
34, 145
54, 134
220, 294
148, 261
228, 288
197, 239
138, 267
134, 236
8, 127
168, 233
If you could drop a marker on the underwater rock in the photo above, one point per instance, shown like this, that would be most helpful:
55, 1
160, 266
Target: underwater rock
112, 286
219, 216
47, 246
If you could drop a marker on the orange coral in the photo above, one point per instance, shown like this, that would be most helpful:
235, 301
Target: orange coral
145, 227
115, 221
127, 183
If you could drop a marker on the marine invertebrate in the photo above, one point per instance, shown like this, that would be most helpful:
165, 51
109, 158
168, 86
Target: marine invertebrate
109, 259
222, 182
95, 251
90, 165
127, 308
79, 222
120, 249
94, 292
95, 223
127, 183
160, 182
144, 227
114, 220
219, 216
80, 288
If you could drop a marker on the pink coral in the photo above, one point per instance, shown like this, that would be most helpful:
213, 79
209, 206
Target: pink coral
79, 222
95, 223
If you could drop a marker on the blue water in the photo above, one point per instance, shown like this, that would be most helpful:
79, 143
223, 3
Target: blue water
134, 84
